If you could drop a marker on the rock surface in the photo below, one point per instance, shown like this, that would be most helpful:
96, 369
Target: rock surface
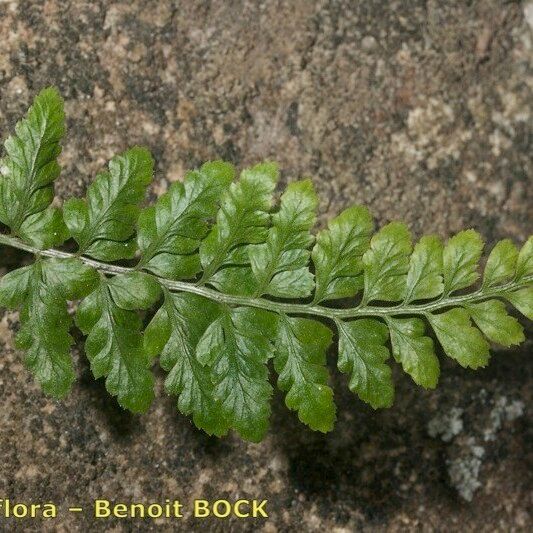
421, 110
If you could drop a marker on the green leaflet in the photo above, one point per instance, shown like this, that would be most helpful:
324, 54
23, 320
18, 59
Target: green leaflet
459, 339
44, 229
492, 319
14, 287
501, 264
134, 291
362, 353
28, 171
70, 277
424, 278
523, 301
280, 265
300, 360
242, 220
114, 342
338, 254
524, 263
170, 232
44, 335
386, 264
43, 290
236, 347
104, 224
460, 260
414, 350
174, 333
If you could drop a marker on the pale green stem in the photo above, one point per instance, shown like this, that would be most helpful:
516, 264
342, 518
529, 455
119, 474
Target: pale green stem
283, 307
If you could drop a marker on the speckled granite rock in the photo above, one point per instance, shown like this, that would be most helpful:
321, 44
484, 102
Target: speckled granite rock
420, 109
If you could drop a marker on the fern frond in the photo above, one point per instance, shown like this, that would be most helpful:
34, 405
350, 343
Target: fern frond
236, 279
